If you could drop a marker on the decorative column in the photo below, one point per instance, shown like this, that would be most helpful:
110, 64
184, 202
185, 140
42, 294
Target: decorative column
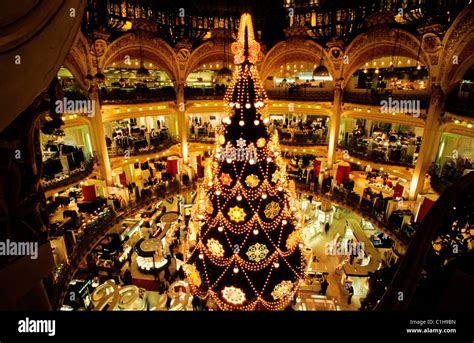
334, 125
183, 131
429, 144
24, 213
97, 130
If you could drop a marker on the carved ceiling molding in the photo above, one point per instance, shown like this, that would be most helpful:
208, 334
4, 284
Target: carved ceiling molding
290, 51
209, 52
163, 54
456, 42
379, 42
34, 46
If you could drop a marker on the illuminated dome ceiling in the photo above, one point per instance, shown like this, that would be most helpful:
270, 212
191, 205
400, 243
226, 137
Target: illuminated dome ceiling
324, 19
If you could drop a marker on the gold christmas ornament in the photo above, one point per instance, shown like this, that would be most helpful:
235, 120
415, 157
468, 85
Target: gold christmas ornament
233, 295
252, 180
236, 214
257, 252
215, 247
282, 289
225, 179
221, 139
277, 176
292, 240
192, 274
272, 210
261, 142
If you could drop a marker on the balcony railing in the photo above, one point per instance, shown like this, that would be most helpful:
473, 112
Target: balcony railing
394, 157
141, 147
374, 98
300, 93
442, 177
59, 283
355, 203
59, 280
204, 93
202, 139
72, 176
302, 138
112, 95
460, 106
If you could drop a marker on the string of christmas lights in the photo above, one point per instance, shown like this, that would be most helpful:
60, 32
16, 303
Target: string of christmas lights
244, 236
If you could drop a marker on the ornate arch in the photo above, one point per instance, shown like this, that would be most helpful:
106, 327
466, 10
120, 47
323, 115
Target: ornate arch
379, 43
206, 53
458, 41
78, 60
155, 49
456, 129
294, 50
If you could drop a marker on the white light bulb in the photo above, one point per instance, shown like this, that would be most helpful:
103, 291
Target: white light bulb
218, 192
256, 122
237, 105
231, 104
252, 161
276, 264
266, 120
239, 197
201, 256
229, 160
247, 106
210, 184
255, 232
220, 229
241, 123
284, 222
269, 159
236, 270
264, 196
280, 188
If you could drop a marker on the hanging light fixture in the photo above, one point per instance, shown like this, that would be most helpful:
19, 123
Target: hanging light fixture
418, 64
391, 70
321, 72
224, 75
99, 77
121, 80
142, 72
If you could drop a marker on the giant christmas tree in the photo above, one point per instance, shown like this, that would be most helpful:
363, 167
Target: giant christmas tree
244, 235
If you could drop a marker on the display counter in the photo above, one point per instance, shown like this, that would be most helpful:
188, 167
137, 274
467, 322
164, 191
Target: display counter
372, 259
150, 258
111, 297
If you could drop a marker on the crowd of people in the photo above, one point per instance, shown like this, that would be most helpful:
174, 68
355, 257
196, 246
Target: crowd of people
303, 131
136, 138
380, 145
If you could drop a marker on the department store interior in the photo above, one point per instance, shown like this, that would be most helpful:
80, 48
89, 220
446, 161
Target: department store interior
122, 185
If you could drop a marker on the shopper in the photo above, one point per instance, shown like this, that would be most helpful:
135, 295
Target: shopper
326, 228
195, 303
351, 293
324, 286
